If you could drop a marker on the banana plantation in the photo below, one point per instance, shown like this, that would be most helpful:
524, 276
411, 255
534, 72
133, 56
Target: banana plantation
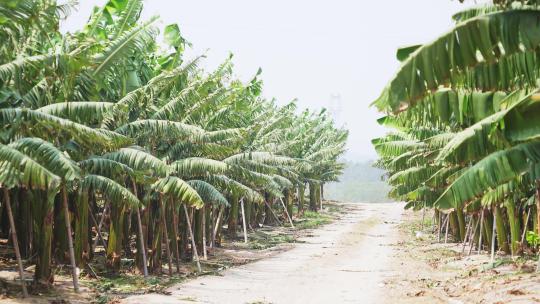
114, 144
465, 114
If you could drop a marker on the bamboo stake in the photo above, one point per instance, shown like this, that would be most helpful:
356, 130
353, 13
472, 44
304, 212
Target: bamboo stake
141, 235
423, 216
494, 231
141, 238
286, 212
98, 231
203, 210
272, 211
446, 233
481, 226
211, 227
439, 228
166, 233
471, 243
525, 226
244, 220
98, 228
196, 255
466, 235
70, 241
13, 233
218, 223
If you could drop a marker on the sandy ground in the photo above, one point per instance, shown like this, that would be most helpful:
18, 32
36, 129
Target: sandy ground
433, 272
345, 262
370, 254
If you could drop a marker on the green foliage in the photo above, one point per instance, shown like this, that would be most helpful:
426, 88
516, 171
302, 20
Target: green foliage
122, 123
466, 109
533, 239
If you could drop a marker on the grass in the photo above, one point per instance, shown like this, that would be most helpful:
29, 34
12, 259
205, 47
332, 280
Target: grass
125, 284
266, 239
312, 220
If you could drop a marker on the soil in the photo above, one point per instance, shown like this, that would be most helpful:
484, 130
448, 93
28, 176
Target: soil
372, 253
376, 253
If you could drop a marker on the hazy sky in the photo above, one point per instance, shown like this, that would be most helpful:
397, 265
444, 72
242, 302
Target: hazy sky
331, 53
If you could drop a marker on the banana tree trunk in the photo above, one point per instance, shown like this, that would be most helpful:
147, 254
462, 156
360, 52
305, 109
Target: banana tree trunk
44, 217
501, 230
514, 226
288, 202
493, 234
312, 197
176, 235
525, 227
461, 224
142, 247
70, 240
480, 234
193, 245
98, 228
287, 212
217, 224
454, 225
538, 218
165, 234
115, 236
488, 228
25, 227
184, 238
269, 216
249, 213
233, 217
301, 190
82, 248
155, 230
13, 232
211, 231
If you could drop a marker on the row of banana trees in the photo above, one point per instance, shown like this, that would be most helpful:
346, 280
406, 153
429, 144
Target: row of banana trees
465, 114
111, 138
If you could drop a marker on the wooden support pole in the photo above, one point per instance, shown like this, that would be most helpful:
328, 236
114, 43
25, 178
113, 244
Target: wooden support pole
481, 234
98, 231
468, 231
218, 223
525, 226
439, 227
244, 220
211, 227
166, 234
195, 254
203, 210
74, 273
98, 227
286, 212
13, 233
471, 243
493, 233
142, 246
273, 213
446, 232
423, 216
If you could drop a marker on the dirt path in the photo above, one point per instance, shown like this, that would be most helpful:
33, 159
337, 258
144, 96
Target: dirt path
346, 262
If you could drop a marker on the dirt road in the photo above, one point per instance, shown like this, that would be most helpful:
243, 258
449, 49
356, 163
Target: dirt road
346, 262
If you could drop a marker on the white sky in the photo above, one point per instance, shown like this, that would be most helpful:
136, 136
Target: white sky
308, 49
